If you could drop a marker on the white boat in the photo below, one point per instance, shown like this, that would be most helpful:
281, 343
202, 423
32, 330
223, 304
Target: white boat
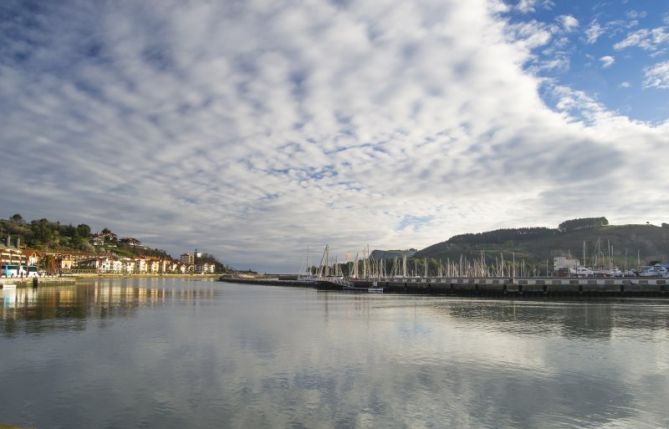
654, 271
581, 271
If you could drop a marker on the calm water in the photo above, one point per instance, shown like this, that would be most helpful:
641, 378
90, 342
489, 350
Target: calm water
170, 353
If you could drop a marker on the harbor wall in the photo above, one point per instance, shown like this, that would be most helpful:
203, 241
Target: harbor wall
494, 286
524, 286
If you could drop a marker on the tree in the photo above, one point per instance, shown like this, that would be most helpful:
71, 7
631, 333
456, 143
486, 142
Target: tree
17, 218
42, 232
83, 230
583, 223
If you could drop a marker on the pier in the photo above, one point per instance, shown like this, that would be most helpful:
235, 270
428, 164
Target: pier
487, 286
523, 286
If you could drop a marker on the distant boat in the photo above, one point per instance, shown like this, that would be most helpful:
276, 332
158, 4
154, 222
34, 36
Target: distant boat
654, 271
581, 271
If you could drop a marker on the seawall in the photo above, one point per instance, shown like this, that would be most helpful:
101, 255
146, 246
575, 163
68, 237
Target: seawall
547, 287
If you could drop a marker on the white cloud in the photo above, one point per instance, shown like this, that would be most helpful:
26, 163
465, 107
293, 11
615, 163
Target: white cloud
568, 22
255, 129
625, 84
593, 32
657, 76
634, 14
529, 6
607, 61
647, 39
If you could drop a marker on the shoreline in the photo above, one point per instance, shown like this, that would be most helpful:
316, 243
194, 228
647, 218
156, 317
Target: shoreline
67, 279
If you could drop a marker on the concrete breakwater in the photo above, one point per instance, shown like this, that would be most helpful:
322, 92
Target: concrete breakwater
511, 287
279, 282
524, 286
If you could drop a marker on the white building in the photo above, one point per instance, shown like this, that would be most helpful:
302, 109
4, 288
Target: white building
565, 263
140, 265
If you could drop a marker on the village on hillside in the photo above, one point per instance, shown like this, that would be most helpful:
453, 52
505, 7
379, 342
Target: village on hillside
20, 260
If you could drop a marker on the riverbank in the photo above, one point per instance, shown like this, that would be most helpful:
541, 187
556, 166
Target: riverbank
41, 281
73, 278
141, 276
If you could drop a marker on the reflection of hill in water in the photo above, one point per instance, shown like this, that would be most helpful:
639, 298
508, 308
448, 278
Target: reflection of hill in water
69, 307
570, 319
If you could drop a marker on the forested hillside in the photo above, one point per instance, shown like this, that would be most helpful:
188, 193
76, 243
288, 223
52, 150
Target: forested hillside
536, 245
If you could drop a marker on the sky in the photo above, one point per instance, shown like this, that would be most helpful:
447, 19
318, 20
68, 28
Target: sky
256, 130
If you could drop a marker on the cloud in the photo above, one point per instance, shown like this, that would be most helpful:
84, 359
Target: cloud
657, 76
647, 39
625, 84
634, 14
593, 32
607, 61
254, 130
568, 22
529, 6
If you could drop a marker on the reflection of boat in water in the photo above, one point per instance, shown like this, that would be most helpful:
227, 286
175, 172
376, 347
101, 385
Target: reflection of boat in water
362, 289
8, 294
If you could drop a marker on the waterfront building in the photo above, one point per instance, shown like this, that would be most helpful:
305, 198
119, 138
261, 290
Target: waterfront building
65, 261
68, 261
187, 258
90, 263
127, 265
32, 257
10, 255
140, 265
104, 264
154, 266
205, 268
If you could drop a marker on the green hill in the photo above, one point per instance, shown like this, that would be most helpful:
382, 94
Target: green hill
46, 235
537, 245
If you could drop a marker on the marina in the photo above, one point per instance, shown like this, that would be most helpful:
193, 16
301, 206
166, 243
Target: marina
475, 277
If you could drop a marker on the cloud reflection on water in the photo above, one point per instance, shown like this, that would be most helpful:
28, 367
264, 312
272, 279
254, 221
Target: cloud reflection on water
240, 356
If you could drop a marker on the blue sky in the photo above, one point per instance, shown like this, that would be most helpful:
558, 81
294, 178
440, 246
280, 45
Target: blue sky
606, 51
256, 129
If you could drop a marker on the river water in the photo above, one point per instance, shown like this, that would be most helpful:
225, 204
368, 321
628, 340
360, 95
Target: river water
168, 353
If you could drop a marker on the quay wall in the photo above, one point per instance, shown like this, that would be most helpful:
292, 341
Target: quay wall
548, 287
524, 286
73, 278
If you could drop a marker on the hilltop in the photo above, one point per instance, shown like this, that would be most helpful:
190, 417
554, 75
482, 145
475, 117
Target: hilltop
538, 245
46, 235
391, 254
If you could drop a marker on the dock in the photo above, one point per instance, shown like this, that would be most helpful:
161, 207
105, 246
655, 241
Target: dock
29, 281
487, 286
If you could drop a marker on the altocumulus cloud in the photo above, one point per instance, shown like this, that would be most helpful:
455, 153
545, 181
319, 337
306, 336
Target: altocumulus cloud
255, 129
